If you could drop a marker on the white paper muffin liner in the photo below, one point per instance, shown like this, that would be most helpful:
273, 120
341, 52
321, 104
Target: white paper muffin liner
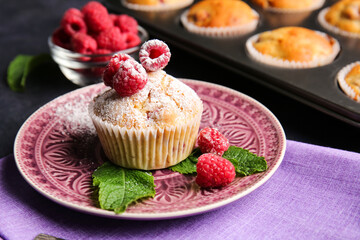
146, 149
276, 62
332, 28
316, 5
160, 7
219, 31
345, 87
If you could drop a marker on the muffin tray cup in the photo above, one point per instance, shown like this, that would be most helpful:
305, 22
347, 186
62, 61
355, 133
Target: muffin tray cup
316, 87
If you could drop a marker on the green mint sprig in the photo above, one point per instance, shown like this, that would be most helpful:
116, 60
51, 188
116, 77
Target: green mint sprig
20, 68
118, 187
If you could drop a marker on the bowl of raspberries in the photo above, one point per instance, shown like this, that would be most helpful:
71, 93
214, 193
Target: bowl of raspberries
88, 37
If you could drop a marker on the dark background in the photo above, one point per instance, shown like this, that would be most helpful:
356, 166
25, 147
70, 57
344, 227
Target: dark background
26, 25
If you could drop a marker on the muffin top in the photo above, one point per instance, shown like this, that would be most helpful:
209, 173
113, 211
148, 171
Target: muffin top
284, 4
353, 79
345, 15
220, 13
153, 2
164, 101
294, 44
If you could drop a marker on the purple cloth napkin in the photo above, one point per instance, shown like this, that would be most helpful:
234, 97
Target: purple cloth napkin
315, 194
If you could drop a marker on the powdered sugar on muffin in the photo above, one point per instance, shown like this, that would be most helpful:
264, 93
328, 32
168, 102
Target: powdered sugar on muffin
163, 101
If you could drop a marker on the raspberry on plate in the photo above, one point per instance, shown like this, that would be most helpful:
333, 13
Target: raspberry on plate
210, 140
154, 55
83, 43
130, 78
113, 67
214, 171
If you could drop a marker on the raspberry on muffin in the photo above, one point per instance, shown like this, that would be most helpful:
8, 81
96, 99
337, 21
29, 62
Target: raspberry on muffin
154, 55
130, 78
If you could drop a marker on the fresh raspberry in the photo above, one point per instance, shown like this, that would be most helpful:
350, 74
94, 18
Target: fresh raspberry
113, 18
73, 23
61, 38
214, 171
111, 39
126, 23
130, 78
83, 43
131, 39
154, 55
113, 67
74, 11
96, 17
210, 140
101, 51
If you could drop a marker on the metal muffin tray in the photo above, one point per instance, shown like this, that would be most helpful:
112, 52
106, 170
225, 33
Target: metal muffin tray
316, 87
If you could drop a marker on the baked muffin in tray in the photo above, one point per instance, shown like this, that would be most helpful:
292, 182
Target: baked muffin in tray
278, 13
289, 5
156, 5
293, 47
349, 80
342, 18
220, 18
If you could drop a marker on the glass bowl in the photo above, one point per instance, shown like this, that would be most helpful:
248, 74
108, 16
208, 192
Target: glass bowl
86, 69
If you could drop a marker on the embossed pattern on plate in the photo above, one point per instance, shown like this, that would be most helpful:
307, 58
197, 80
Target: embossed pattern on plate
56, 151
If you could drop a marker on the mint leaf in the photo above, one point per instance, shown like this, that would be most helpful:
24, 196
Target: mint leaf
20, 68
188, 165
118, 187
16, 71
245, 162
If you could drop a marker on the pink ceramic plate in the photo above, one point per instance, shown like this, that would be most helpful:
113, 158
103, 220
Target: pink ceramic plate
56, 151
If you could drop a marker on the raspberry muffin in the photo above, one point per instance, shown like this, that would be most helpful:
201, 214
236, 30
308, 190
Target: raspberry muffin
293, 47
349, 80
156, 5
149, 120
289, 5
220, 18
342, 18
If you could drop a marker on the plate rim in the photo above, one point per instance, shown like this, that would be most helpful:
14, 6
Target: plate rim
167, 215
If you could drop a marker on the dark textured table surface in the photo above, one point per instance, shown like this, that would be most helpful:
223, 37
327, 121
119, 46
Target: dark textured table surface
26, 25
